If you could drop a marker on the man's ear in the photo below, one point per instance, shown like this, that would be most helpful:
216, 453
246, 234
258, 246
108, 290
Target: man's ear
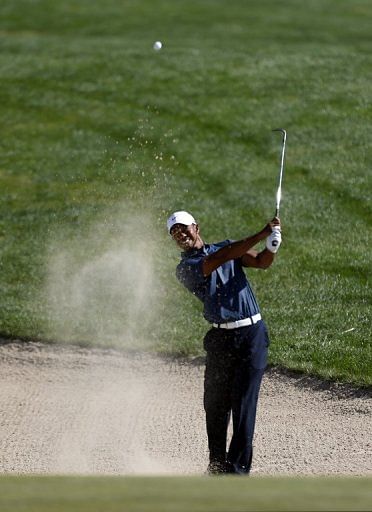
197, 228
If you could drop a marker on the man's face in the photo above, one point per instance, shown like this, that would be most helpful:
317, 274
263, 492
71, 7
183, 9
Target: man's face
185, 236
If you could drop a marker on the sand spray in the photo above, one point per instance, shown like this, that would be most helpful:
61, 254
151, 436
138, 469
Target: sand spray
102, 289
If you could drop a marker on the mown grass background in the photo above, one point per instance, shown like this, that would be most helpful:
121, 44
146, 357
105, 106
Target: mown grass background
182, 494
94, 122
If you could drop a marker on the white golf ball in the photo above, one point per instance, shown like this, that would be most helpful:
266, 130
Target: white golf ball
157, 45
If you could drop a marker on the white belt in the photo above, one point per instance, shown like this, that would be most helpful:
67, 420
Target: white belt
239, 323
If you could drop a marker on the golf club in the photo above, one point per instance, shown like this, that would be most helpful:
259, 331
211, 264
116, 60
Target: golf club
279, 191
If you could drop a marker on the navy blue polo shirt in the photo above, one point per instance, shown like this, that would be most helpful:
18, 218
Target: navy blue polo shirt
226, 293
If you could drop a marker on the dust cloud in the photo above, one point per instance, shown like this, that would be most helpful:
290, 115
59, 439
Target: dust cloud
103, 289
102, 286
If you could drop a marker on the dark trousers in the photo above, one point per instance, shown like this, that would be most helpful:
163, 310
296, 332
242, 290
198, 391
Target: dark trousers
236, 361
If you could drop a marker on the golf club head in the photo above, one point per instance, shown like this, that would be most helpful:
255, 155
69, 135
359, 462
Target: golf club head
284, 132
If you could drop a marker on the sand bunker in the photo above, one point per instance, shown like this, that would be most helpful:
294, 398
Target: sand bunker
90, 411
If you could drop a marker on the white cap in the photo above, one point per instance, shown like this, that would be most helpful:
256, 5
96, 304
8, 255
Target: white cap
180, 218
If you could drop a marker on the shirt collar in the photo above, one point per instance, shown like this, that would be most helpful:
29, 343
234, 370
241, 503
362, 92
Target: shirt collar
195, 252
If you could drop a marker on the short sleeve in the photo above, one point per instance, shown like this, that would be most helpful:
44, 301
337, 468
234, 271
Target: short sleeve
190, 273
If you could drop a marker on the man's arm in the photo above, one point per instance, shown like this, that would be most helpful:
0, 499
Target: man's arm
257, 259
236, 249
266, 257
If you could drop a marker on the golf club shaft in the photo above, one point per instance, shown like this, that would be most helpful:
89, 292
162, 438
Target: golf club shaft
279, 190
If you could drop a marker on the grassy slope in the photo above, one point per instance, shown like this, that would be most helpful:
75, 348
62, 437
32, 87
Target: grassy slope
199, 494
92, 117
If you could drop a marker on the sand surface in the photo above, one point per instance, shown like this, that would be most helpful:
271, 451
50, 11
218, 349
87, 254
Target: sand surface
90, 411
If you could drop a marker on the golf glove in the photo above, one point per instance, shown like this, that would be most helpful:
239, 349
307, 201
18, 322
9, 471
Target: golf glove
274, 240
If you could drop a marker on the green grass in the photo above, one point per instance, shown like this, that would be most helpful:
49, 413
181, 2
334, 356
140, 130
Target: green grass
177, 494
102, 138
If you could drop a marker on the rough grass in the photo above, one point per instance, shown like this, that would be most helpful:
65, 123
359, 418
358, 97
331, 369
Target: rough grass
177, 494
94, 122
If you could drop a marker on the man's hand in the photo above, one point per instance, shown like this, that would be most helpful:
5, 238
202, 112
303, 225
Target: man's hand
272, 225
274, 240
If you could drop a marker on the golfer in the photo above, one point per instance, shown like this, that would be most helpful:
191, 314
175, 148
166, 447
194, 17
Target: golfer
237, 342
